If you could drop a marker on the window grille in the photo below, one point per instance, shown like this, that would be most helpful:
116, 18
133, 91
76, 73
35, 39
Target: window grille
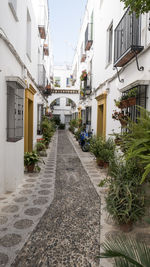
127, 39
88, 115
141, 97
15, 108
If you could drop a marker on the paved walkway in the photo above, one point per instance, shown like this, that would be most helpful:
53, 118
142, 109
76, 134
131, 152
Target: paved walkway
68, 233
21, 211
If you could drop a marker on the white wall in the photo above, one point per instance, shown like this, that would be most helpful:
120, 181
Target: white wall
13, 58
104, 77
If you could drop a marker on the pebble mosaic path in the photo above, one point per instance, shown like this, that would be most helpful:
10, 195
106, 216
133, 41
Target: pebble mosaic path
21, 211
68, 233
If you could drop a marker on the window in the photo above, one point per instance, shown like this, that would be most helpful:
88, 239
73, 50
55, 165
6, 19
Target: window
28, 39
110, 43
67, 82
127, 39
57, 81
57, 102
40, 114
15, 106
141, 97
13, 7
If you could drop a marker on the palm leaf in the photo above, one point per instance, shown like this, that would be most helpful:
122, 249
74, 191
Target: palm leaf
126, 251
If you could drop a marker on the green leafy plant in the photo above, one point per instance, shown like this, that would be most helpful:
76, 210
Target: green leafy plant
62, 126
83, 76
40, 146
73, 124
126, 252
139, 7
30, 158
132, 92
102, 149
125, 200
137, 141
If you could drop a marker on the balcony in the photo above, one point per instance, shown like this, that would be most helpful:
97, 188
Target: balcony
127, 43
47, 90
46, 50
89, 36
41, 76
87, 86
42, 22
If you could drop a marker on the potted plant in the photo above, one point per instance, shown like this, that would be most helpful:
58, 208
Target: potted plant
102, 150
83, 76
30, 159
132, 97
125, 200
121, 116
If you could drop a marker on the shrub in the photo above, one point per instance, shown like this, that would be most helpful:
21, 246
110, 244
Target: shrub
125, 200
137, 141
62, 126
40, 146
102, 149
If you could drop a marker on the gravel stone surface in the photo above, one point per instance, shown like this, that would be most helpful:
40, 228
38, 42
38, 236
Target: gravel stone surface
68, 234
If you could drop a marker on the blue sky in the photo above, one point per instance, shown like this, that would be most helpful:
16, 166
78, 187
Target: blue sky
65, 18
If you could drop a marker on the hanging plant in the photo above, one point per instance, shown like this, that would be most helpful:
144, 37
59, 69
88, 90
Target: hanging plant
83, 76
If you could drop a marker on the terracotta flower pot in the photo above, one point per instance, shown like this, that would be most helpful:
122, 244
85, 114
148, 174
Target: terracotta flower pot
126, 227
102, 163
124, 103
30, 168
132, 101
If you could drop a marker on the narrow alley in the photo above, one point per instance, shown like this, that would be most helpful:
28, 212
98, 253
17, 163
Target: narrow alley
68, 234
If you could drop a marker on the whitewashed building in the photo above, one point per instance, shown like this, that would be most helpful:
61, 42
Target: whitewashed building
114, 50
21, 50
65, 97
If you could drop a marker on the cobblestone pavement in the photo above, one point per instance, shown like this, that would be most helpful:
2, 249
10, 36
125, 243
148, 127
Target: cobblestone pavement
68, 234
140, 231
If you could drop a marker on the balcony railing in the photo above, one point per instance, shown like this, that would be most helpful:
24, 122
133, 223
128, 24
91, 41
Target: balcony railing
42, 22
127, 39
41, 76
87, 86
47, 90
89, 36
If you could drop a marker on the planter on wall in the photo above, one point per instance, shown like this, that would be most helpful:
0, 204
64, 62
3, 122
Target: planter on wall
132, 101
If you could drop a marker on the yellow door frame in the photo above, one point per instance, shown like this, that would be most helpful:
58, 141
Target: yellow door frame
79, 113
101, 114
28, 118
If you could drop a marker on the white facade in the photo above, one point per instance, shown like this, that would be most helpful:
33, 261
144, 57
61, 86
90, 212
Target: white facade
19, 46
106, 17
66, 92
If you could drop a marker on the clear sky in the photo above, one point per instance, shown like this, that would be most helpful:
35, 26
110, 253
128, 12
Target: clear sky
65, 19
